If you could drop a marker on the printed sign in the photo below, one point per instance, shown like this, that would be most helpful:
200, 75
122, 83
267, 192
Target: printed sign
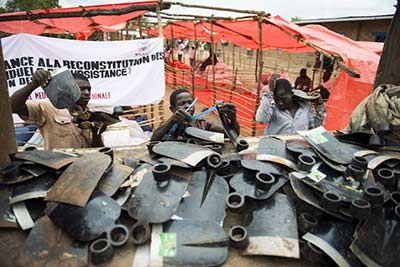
120, 72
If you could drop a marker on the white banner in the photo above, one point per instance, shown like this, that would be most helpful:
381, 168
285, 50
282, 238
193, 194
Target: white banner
120, 72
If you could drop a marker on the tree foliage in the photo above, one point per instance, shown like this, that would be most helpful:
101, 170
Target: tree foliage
25, 5
296, 18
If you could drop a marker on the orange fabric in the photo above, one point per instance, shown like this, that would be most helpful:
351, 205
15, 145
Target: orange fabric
74, 25
375, 47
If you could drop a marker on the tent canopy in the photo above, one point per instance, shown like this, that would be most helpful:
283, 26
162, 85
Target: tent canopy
78, 25
278, 33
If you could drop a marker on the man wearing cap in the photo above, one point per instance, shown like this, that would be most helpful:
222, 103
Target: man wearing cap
286, 113
58, 126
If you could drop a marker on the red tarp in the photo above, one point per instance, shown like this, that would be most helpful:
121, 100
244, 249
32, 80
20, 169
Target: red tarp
347, 93
80, 25
375, 47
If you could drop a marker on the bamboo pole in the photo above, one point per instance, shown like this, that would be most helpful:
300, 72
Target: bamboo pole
215, 8
233, 88
172, 54
127, 31
233, 57
160, 33
7, 131
84, 13
260, 62
256, 67
320, 72
194, 59
139, 22
213, 63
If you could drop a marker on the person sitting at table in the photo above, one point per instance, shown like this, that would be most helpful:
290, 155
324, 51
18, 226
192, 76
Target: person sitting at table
180, 100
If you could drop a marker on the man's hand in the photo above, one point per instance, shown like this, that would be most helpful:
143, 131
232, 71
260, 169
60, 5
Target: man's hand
181, 116
272, 82
41, 77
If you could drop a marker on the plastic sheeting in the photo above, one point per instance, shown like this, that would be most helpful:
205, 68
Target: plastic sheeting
82, 26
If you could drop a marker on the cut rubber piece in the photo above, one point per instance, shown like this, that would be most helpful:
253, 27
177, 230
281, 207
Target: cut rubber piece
7, 216
299, 147
386, 177
213, 207
264, 181
13, 173
360, 209
374, 195
394, 199
196, 243
306, 162
334, 238
101, 251
205, 135
274, 150
308, 195
153, 202
51, 159
62, 90
246, 185
235, 202
306, 222
228, 119
355, 172
111, 181
160, 172
217, 148
376, 241
359, 162
238, 237
268, 223
188, 153
35, 188
214, 161
150, 147
325, 143
89, 222
107, 151
330, 201
76, 184
311, 253
140, 233
48, 246
118, 235
259, 166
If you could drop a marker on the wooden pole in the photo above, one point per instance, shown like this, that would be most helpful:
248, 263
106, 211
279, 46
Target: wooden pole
260, 62
233, 86
213, 63
233, 58
139, 22
7, 131
194, 59
389, 65
256, 67
320, 72
215, 8
160, 34
172, 53
84, 12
